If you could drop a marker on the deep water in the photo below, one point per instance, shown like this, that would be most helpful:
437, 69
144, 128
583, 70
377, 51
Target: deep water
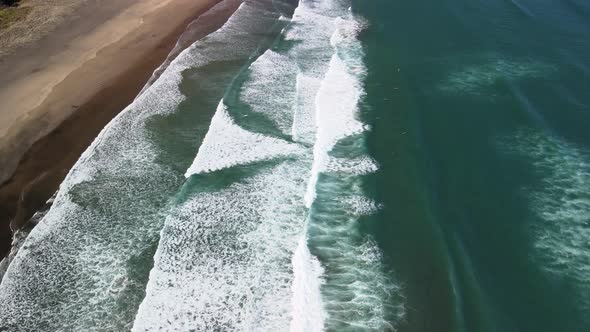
481, 128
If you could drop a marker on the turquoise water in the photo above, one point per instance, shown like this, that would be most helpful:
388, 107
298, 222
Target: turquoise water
338, 166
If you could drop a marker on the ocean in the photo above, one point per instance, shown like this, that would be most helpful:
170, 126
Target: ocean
334, 165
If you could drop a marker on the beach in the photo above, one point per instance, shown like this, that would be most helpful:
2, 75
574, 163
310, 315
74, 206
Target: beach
67, 76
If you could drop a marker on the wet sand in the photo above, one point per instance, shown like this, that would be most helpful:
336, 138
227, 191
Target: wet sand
58, 92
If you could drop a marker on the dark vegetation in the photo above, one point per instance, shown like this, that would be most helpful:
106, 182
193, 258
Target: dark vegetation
9, 2
11, 12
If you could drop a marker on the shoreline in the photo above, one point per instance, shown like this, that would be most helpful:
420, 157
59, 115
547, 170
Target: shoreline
79, 106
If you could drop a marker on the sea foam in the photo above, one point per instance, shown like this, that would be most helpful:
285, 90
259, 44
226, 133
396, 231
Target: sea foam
226, 145
81, 267
264, 232
358, 294
303, 130
561, 204
270, 89
224, 259
336, 105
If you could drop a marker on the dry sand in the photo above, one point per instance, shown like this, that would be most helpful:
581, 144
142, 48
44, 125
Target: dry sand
60, 87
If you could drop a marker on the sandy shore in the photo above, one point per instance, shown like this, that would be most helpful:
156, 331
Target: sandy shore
58, 91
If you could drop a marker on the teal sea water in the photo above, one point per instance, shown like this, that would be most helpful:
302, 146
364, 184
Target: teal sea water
334, 165
481, 127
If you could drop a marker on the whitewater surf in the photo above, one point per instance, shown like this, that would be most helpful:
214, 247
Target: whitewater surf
228, 196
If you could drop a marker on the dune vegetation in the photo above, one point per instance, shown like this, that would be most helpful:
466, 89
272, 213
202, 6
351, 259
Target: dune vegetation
11, 12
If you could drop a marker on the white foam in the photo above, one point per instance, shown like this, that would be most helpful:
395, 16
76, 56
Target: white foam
227, 144
359, 205
224, 259
271, 88
304, 118
357, 293
356, 166
562, 206
231, 257
312, 25
308, 311
475, 78
75, 269
336, 109
347, 31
